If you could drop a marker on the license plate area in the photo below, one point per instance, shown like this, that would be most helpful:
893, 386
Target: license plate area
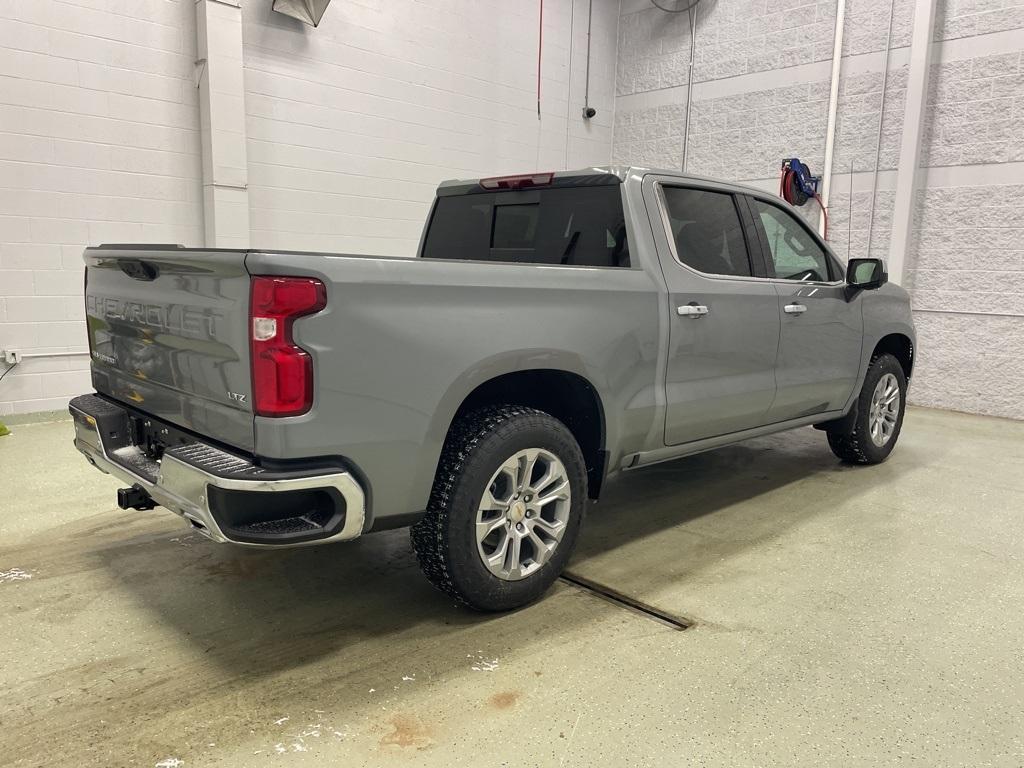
153, 437
147, 436
135, 441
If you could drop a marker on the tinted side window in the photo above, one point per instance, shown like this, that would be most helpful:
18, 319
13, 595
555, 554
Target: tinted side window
707, 231
581, 226
460, 228
795, 254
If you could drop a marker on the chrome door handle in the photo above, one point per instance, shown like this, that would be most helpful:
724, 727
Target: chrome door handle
794, 309
692, 310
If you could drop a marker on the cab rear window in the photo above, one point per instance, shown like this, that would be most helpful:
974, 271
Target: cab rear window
575, 226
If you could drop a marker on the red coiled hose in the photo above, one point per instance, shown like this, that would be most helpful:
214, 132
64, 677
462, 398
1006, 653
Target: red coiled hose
790, 191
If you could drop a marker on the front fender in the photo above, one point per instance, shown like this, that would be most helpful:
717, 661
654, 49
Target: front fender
886, 312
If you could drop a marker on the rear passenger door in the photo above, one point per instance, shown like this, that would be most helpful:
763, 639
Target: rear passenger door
820, 345
723, 311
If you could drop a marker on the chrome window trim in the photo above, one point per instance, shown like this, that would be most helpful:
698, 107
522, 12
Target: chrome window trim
659, 184
667, 227
818, 283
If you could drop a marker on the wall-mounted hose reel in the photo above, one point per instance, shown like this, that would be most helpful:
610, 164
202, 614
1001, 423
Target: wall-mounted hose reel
797, 185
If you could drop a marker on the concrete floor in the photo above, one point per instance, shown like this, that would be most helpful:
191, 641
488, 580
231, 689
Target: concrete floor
845, 616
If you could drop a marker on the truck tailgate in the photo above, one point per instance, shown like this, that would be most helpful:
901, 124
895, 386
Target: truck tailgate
168, 333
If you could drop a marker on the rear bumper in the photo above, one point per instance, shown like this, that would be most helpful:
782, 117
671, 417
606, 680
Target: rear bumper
225, 497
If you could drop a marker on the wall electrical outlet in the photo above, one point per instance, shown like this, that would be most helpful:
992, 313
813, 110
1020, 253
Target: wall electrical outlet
11, 356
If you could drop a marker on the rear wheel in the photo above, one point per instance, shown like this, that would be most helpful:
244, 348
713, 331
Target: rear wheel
873, 433
506, 508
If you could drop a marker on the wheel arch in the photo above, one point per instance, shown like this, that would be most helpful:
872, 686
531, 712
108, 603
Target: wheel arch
897, 343
901, 347
566, 395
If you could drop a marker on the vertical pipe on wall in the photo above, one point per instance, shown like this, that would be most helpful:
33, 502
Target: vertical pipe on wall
222, 123
540, 49
586, 83
910, 142
692, 14
881, 123
568, 87
615, 81
833, 108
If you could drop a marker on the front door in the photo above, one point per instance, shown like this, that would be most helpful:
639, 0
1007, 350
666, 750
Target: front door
723, 311
820, 346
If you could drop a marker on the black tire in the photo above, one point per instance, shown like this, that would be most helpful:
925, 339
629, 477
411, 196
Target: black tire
445, 538
855, 445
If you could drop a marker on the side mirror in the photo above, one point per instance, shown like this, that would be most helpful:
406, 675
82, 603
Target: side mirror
865, 275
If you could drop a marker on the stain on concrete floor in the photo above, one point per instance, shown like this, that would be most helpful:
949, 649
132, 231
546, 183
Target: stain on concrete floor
847, 616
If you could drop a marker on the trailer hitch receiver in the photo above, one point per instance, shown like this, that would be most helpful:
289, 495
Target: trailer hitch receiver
134, 498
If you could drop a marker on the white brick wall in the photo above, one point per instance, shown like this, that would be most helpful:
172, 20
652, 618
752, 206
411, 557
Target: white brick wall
971, 18
352, 125
98, 143
976, 111
735, 38
350, 128
970, 363
850, 236
759, 96
744, 136
968, 254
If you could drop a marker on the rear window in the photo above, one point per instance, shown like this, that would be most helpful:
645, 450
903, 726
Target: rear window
576, 226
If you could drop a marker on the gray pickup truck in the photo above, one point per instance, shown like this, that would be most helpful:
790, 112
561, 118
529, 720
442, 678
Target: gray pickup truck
556, 330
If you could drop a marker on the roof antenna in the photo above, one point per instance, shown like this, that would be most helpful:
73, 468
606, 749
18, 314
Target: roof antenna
849, 223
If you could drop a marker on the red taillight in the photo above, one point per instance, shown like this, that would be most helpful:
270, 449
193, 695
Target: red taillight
518, 182
282, 372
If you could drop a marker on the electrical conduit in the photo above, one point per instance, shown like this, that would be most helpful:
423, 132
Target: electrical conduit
833, 108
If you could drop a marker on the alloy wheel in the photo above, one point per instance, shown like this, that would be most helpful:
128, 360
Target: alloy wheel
523, 513
884, 410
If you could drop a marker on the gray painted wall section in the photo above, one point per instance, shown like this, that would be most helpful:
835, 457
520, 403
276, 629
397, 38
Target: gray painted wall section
759, 96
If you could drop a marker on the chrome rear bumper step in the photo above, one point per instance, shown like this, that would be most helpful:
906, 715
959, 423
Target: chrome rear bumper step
226, 497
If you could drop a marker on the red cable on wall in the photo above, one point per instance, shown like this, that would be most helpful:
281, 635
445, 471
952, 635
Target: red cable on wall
824, 215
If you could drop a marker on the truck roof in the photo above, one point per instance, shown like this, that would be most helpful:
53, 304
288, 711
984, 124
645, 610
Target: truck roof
593, 175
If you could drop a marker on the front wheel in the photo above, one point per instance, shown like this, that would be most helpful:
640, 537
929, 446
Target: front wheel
880, 408
506, 508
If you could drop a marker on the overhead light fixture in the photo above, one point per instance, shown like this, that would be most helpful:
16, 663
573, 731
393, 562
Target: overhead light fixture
307, 11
